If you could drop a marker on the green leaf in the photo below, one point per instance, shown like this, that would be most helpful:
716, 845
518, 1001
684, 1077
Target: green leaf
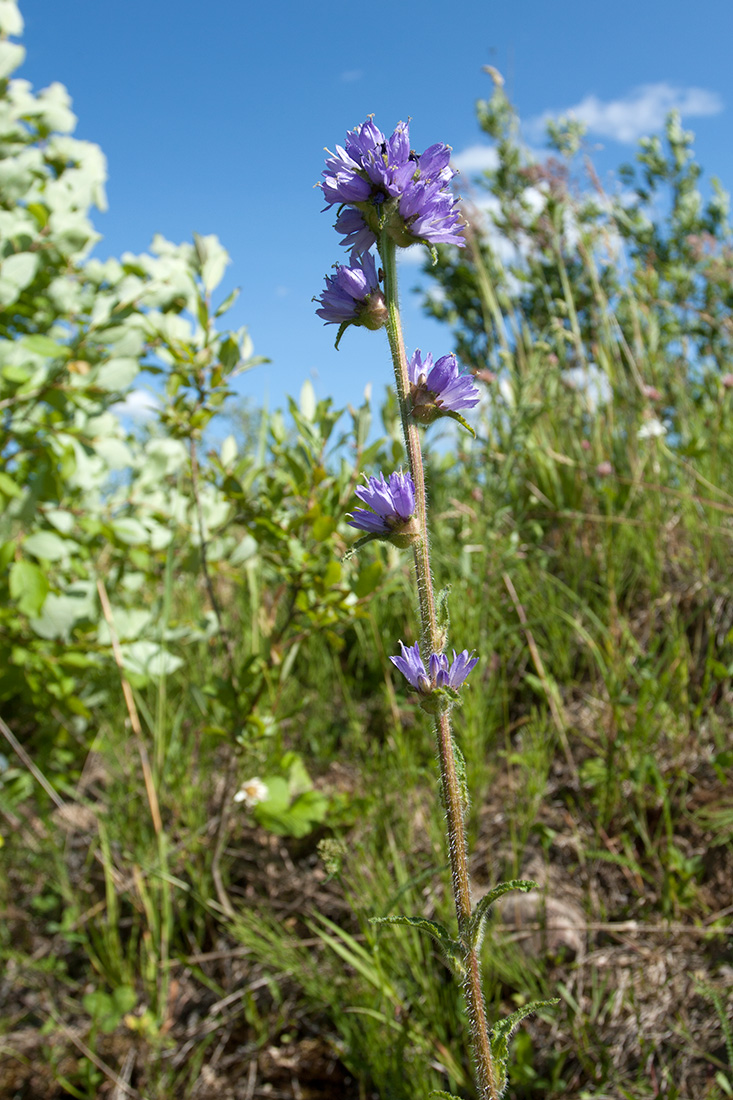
298, 778
129, 624
47, 546
228, 302
228, 451
45, 346
14, 372
451, 949
245, 551
39, 212
117, 374
323, 527
106, 1011
149, 659
62, 520
332, 574
442, 613
61, 613
368, 579
278, 793
481, 909
502, 1030
298, 818
12, 56
130, 531
229, 354
213, 259
8, 486
16, 271
115, 452
11, 21
441, 1095
28, 586
308, 400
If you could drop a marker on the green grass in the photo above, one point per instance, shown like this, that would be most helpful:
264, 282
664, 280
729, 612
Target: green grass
158, 925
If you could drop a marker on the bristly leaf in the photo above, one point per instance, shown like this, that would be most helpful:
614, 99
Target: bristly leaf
457, 416
442, 615
451, 949
342, 329
502, 1030
481, 910
358, 545
440, 1095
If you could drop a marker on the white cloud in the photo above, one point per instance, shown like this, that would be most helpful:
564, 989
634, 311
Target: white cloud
139, 405
414, 256
475, 158
484, 208
638, 114
591, 383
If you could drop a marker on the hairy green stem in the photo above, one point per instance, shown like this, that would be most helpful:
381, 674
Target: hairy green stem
411, 433
486, 1076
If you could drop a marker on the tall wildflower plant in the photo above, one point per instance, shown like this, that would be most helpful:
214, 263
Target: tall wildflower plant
389, 197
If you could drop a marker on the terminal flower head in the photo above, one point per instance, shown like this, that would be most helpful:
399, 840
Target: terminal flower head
440, 675
392, 504
353, 296
392, 186
439, 389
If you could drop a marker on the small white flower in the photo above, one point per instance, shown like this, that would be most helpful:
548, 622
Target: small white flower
252, 792
651, 429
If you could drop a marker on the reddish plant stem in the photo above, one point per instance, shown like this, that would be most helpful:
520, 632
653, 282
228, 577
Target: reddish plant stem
453, 801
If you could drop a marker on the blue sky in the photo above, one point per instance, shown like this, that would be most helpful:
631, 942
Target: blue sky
213, 118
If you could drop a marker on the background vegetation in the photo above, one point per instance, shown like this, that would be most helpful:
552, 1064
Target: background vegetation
176, 617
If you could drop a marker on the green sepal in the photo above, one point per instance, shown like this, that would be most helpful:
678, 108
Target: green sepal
457, 416
502, 1030
481, 909
433, 252
342, 329
358, 545
451, 949
440, 699
401, 538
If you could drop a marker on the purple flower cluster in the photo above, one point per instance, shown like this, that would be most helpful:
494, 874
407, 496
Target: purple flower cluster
357, 236
439, 388
382, 186
353, 296
393, 507
387, 184
439, 674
